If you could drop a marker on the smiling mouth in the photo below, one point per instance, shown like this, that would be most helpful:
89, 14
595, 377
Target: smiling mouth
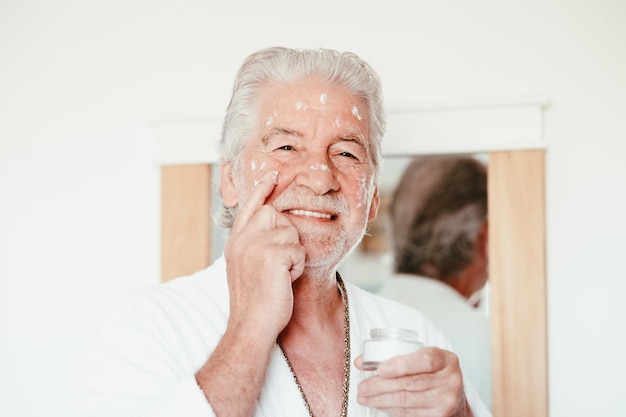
316, 214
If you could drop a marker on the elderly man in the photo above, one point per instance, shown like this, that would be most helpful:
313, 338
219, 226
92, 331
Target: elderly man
271, 329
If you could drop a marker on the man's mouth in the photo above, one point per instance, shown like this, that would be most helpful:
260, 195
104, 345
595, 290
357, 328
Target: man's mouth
307, 213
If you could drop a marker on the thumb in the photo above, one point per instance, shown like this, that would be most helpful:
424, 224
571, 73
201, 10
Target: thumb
297, 268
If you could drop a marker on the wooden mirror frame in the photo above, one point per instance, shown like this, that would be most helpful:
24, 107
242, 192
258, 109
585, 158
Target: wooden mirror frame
509, 130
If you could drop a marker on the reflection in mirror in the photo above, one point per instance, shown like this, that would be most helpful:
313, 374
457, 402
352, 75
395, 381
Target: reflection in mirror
433, 214
371, 263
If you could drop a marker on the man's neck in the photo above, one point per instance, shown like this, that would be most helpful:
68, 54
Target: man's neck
313, 342
317, 303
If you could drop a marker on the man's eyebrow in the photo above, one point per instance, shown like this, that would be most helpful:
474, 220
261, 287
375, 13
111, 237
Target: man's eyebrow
358, 139
279, 131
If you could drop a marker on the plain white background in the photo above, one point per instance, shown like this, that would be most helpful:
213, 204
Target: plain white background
80, 82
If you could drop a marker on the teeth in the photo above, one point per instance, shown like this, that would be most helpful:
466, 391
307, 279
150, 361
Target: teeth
310, 213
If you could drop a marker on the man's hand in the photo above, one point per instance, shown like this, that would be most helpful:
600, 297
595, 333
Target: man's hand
263, 257
426, 383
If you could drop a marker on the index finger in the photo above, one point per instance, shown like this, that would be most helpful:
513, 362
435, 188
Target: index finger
256, 199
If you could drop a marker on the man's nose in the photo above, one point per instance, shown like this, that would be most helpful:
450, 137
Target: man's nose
317, 173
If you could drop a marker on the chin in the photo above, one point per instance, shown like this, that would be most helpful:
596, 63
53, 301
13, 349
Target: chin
323, 259
327, 252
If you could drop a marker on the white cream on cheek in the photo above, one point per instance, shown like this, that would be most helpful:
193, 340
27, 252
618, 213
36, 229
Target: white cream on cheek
365, 188
253, 166
257, 181
323, 98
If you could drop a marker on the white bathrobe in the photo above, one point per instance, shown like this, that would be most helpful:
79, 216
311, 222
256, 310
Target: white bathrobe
153, 341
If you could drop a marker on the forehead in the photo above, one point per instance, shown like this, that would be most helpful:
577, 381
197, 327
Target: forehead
309, 95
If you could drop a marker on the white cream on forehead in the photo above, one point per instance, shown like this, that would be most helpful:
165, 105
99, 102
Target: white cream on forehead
270, 118
323, 98
355, 112
300, 105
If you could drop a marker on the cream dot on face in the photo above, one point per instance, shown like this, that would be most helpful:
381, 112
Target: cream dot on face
337, 122
322, 167
300, 105
355, 112
253, 165
363, 190
270, 119
323, 98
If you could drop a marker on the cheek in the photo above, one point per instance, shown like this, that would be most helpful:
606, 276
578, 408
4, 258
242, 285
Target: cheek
361, 189
258, 167
285, 176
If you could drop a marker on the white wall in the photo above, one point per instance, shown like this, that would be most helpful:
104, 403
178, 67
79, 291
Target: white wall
80, 82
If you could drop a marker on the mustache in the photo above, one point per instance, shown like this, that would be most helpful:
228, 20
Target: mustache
297, 199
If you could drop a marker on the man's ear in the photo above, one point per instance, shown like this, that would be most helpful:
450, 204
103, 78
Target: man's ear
374, 206
228, 189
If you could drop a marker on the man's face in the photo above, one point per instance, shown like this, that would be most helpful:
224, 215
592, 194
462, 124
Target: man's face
316, 136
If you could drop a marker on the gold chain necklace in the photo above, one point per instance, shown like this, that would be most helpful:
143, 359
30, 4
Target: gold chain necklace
346, 355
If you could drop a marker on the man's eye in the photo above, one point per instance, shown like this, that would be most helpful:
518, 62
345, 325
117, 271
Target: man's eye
348, 154
285, 148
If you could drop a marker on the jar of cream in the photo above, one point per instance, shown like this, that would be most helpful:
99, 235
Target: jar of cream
387, 343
